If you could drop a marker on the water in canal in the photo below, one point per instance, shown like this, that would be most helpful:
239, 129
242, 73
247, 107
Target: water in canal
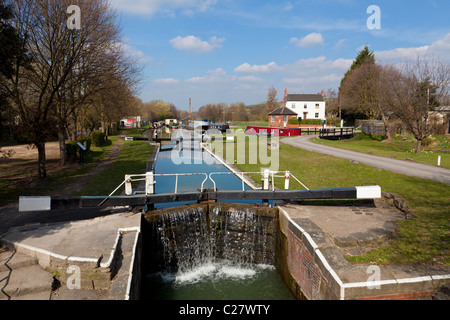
201, 272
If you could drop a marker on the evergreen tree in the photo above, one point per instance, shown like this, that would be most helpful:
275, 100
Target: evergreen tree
365, 55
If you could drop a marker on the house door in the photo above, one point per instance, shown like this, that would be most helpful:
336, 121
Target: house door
305, 115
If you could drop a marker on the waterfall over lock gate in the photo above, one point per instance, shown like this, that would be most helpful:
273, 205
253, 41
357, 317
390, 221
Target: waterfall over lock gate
187, 238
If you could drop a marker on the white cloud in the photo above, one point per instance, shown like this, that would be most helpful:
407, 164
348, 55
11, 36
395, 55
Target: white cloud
150, 7
311, 40
134, 53
195, 44
166, 81
439, 48
213, 76
265, 68
325, 81
250, 79
340, 43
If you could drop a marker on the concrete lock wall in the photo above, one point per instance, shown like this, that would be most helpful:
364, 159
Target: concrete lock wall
315, 273
311, 269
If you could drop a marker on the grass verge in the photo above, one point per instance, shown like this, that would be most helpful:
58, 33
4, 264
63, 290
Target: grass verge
132, 159
401, 147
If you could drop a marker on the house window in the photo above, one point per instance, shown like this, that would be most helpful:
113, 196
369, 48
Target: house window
317, 115
306, 106
317, 106
273, 118
284, 118
293, 106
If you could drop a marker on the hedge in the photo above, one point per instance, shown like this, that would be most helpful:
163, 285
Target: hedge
71, 151
98, 137
311, 121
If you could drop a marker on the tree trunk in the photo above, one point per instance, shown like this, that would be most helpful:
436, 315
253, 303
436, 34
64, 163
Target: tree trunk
62, 147
386, 127
419, 145
42, 171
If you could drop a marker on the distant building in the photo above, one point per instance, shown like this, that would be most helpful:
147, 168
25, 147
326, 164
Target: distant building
131, 122
279, 118
306, 106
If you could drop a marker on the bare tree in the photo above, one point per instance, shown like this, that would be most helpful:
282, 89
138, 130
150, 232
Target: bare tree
271, 100
68, 65
408, 94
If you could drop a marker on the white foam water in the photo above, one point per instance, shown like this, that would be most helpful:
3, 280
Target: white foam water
224, 269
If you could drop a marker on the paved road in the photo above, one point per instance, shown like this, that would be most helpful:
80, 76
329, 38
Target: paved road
409, 168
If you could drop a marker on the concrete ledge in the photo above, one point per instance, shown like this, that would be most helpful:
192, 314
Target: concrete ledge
96, 246
332, 277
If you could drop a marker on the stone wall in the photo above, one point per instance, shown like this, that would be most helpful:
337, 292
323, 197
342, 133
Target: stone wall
315, 271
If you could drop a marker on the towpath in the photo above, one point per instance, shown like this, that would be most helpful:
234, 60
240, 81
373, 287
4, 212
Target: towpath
408, 168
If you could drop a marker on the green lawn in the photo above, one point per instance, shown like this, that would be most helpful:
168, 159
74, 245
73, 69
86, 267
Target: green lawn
401, 147
132, 159
423, 239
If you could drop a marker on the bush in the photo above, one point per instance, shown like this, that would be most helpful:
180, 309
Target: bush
428, 141
293, 121
98, 137
311, 121
71, 151
85, 141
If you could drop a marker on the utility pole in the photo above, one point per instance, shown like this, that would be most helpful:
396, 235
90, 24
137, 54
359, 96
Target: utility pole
189, 108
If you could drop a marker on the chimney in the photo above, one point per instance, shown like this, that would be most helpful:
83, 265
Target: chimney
323, 93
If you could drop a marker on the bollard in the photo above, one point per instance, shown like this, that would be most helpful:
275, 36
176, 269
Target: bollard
439, 161
149, 183
266, 179
128, 186
286, 180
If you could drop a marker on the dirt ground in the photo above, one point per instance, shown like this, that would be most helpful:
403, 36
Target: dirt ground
19, 171
23, 162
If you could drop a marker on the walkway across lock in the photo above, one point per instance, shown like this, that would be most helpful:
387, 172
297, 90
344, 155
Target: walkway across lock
148, 197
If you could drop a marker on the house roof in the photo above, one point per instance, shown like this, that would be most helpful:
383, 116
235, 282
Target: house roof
282, 111
305, 97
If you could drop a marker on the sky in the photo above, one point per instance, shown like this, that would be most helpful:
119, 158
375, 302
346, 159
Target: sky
235, 50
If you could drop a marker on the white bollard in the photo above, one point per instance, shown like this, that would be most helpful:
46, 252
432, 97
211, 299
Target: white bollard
266, 179
128, 186
439, 161
286, 180
149, 183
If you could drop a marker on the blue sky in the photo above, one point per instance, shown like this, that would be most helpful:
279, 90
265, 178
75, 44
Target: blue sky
235, 50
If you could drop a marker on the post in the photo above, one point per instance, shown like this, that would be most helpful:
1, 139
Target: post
149, 183
128, 186
266, 179
439, 161
286, 180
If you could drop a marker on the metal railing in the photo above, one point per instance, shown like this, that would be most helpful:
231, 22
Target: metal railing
327, 132
265, 177
268, 179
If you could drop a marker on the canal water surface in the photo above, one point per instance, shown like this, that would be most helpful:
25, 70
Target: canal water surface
200, 272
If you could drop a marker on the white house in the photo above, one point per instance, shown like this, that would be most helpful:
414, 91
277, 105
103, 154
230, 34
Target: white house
306, 106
